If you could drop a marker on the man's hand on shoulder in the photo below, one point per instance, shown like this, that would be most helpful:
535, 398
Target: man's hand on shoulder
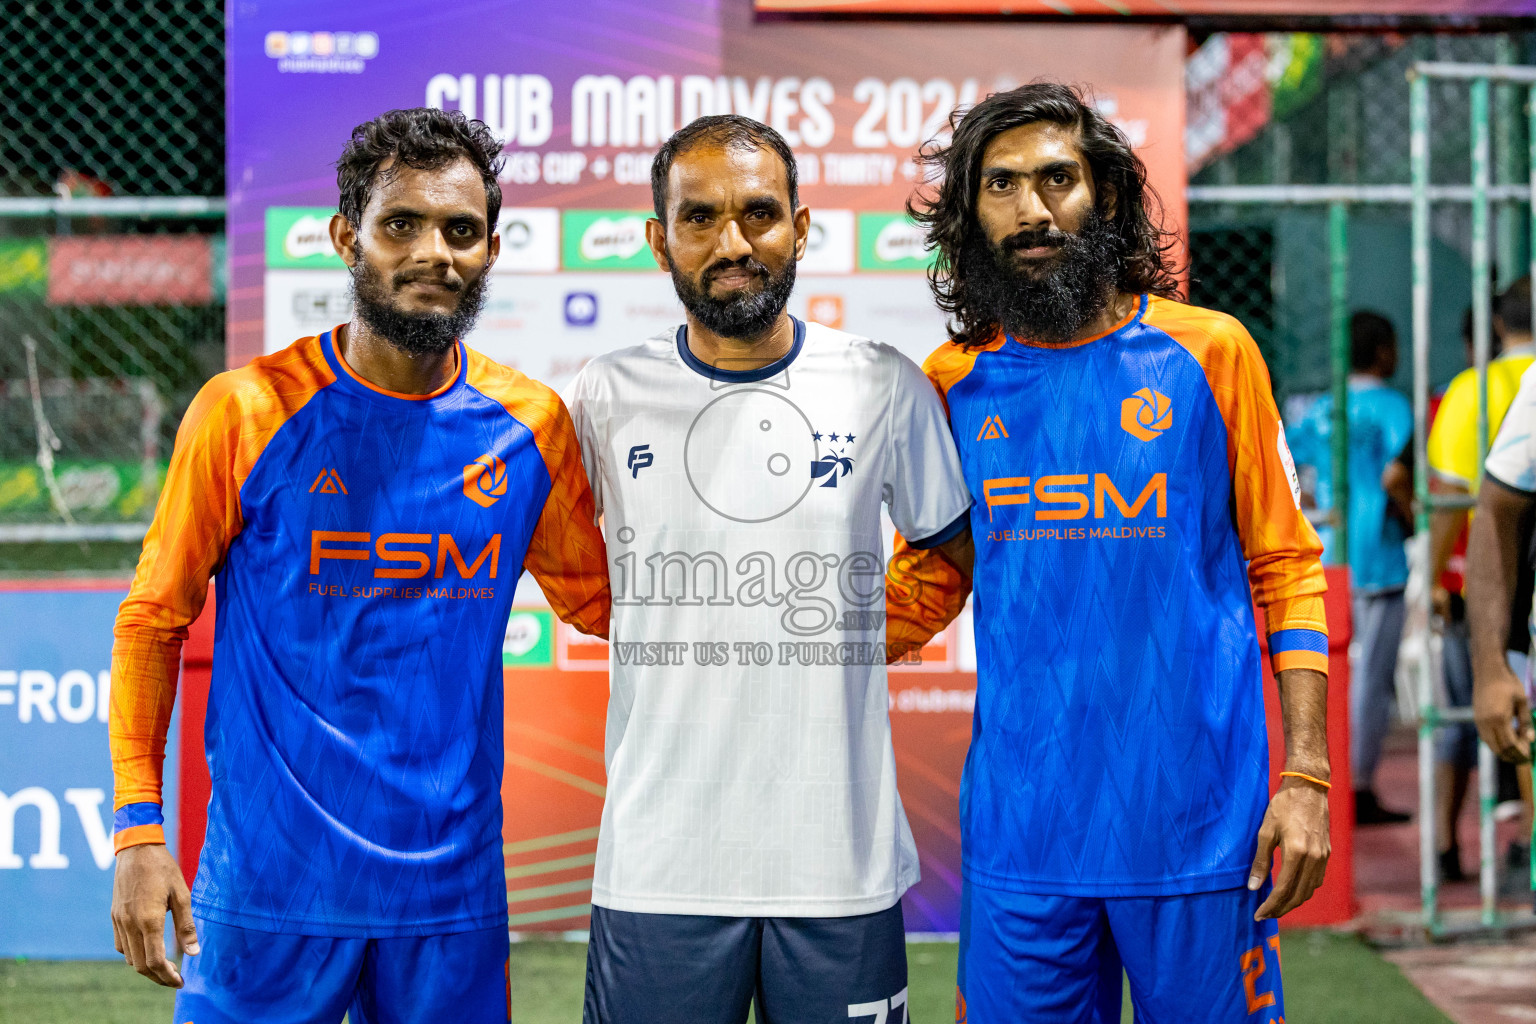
147, 884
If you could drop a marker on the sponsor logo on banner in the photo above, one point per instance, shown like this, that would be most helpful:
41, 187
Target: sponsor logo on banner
605, 240
830, 247
300, 236
529, 641
130, 270
891, 241
322, 53
23, 266
581, 309
826, 310
576, 651
321, 307
530, 240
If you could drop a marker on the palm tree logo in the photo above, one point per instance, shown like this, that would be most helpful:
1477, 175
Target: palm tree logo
835, 464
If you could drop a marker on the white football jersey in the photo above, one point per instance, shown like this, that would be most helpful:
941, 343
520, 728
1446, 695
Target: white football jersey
750, 769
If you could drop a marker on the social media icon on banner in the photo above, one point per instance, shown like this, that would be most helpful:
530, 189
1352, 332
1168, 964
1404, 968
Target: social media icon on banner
580, 309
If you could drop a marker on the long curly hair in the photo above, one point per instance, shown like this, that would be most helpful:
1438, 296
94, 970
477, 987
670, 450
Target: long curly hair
948, 211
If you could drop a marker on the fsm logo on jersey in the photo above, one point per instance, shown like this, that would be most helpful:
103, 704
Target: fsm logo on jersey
55, 771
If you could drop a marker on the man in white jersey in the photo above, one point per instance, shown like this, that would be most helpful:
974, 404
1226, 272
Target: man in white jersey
753, 844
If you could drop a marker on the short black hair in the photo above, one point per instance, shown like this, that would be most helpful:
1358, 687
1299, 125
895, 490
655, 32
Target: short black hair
1513, 306
720, 130
425, 138
1368, 332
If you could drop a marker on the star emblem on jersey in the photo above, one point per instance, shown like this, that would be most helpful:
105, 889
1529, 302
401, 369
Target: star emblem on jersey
1146, 414
833, 464
485, 480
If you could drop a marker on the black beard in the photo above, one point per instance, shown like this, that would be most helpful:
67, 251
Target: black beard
1049, 301
746, 315
415, 334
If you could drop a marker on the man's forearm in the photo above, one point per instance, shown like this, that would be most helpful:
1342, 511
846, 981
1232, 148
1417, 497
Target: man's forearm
1304, 715
1493, 560
1445, 527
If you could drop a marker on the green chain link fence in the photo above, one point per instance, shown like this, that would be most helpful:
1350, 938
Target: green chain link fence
111, 299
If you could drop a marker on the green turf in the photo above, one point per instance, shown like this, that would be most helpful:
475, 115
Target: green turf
1332, 978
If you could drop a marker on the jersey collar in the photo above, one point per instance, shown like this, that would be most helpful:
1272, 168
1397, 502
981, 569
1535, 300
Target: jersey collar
762, 373
350, 378
1133, 317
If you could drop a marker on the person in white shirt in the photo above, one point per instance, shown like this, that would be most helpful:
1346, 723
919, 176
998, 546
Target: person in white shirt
753, 843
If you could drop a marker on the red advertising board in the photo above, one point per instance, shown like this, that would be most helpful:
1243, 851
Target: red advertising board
130, 270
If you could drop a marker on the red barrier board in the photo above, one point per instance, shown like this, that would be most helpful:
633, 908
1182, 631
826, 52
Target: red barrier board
1334, 901
130, 270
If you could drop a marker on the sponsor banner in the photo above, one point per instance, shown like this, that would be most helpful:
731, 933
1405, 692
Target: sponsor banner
829, 247
891, 241
55, 772
300, 236
530, 240
548, 326
130, 270
529, 640
1099, 9
23, 267
582, 121
606, 240
92, 491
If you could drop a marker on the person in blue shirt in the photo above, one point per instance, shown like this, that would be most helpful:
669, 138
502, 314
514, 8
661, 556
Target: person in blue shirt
1380, 424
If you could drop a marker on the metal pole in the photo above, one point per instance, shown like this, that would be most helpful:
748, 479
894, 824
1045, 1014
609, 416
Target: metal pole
1418, 127
1338, 288
1482, 308
1530, 140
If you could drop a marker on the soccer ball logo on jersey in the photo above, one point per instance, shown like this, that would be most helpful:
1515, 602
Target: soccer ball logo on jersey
751, 455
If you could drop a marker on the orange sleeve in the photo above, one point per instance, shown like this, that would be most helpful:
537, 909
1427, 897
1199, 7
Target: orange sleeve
1283, 551
566, 553
924, 589
197, 518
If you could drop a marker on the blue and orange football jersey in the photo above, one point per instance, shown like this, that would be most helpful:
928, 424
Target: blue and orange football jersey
366, 547
1134, 497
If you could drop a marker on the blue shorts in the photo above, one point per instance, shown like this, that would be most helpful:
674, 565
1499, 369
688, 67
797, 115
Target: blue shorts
682, 969
242, 976
1196, 959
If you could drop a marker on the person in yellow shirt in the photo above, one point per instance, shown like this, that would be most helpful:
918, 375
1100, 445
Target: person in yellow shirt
1455, 459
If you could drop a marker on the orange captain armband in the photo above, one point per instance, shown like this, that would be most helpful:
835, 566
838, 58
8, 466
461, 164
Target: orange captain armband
1309, 778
